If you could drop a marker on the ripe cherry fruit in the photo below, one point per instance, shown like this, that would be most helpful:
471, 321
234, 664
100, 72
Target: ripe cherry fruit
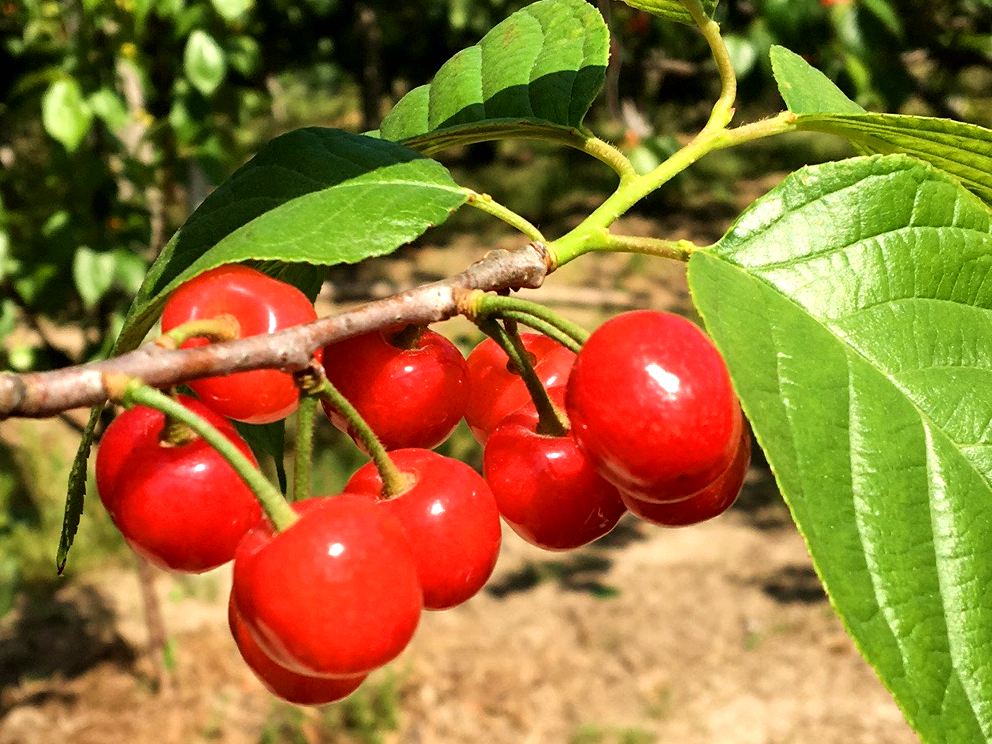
710, 502
181, 506
546, 488
651, 402
410, 386
498, 390
450, 516
292, 687
260, 304
334, 595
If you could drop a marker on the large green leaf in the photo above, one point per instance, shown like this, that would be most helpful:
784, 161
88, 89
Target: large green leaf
853, 305
963, 150
310, 197
538, 71
672, 10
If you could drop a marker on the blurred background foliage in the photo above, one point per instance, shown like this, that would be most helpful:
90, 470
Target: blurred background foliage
118, 116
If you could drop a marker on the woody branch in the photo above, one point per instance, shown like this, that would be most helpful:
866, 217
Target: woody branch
43, 394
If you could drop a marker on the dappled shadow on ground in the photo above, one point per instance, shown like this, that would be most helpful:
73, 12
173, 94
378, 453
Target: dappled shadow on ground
53, 636
576, 571
794, 584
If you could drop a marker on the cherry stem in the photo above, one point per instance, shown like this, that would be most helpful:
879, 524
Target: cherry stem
542, 327
302, 481
393, 481
407, 338
224, 327
550, 421
276, 508
479, 304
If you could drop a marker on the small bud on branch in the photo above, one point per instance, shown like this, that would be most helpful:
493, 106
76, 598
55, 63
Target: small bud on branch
42, 394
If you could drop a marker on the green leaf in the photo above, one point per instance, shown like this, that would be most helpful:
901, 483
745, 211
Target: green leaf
76, 495
537, 72
309, 197
270, 440
231, 10
204, 63
93, 274
672, 10
65, 113
110, 108
853, 304
805, 89
962, 150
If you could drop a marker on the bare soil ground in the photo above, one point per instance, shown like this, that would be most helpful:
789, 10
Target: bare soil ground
716, 634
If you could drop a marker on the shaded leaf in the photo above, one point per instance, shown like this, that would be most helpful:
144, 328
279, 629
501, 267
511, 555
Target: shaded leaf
93, 274
538, 71
853, 305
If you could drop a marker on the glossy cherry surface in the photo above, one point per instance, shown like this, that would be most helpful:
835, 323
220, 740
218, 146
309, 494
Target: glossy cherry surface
180, 506
546, 488
450, 516
410, 397
336, 594
299, 689
498, 391
710, 502
260, 304
651, 403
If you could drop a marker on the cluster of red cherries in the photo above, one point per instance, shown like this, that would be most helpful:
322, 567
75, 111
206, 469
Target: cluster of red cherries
654, 428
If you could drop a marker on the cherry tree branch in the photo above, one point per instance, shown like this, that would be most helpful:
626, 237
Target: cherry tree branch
44, 394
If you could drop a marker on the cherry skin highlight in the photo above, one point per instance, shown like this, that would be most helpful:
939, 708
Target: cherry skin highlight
498, 391
651, 402
298, 689
450, 516
706, 504
546, 488
410, 397
334, 595
180, 506
261, 305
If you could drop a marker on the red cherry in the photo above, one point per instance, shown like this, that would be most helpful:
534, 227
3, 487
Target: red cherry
260, 304
546, 488
651, 402
498, 391
410, 397
336, 594
450, 516
299, 689
710, 502
180, 506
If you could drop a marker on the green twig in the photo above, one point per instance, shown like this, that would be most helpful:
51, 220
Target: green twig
279, 512
485, 203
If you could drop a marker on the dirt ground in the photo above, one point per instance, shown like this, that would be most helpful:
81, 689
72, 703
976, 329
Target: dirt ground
715, 634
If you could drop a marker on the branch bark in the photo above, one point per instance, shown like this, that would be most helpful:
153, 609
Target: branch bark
44, 394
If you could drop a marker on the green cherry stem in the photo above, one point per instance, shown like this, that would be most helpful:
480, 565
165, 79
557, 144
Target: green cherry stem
481, 305
393, 481
542, 327
302, 481
550, 421
276, 508
223, 327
